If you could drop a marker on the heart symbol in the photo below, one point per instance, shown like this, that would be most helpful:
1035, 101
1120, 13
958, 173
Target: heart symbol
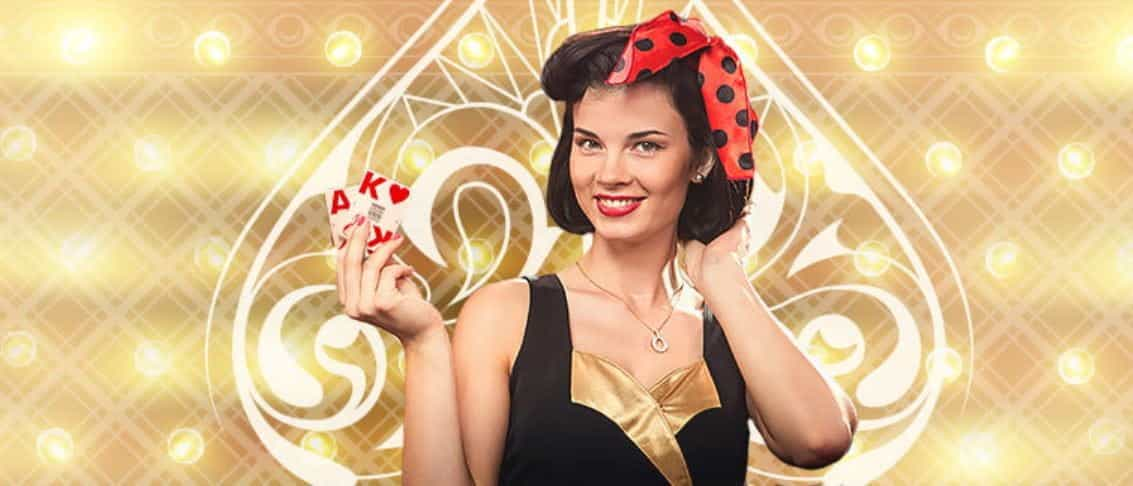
398, 193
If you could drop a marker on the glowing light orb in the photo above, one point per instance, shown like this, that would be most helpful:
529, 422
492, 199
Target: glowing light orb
475, 256
18, 348
979, 449
1002, 53
1125, 260
476, 50
212, 48
78, 45
1125, 54
150, 360
751, 262
811, 157
1076, 366
872, 53
417, 155
151, 153
321, 443
944, 159
186, 445
54, 446
944, 364
211, 254
540, 157
871, 258
1076, 161
343, 48
280, 152
745, 47
75, 251
1002, 259
1107, 436
18, 143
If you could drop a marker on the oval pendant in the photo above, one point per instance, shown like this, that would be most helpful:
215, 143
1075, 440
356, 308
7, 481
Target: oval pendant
659, 343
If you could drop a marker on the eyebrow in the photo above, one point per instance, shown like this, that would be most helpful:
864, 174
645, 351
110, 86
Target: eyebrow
641, 134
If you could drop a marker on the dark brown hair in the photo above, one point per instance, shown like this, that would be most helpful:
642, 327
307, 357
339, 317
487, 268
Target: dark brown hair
583, 61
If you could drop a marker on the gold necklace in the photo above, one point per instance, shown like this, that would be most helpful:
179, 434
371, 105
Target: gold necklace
658, 342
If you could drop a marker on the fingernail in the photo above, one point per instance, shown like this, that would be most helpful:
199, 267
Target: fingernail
358, 218
397, 236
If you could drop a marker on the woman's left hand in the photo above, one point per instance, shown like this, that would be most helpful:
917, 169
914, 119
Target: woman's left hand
728, 248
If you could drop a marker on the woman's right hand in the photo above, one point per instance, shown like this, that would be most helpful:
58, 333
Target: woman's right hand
380, 292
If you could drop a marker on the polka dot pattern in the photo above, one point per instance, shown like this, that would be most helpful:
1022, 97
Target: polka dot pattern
655, 43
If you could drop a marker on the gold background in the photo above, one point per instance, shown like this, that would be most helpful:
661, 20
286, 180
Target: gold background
141, 280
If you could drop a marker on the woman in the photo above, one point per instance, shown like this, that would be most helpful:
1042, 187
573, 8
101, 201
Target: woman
544, 379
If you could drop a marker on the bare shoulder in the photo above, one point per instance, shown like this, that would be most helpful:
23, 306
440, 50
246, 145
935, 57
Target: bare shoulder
493, 318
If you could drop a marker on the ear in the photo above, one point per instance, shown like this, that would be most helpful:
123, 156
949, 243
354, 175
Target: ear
704, 164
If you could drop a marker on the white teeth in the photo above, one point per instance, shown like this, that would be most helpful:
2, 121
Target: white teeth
618, 203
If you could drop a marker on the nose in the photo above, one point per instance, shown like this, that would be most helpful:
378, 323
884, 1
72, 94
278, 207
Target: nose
613, 171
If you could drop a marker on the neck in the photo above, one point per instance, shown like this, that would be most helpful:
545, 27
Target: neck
634, 271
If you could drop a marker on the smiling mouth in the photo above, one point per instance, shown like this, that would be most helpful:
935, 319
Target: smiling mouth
617, 207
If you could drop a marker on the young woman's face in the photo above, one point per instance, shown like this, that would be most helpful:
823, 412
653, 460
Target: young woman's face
630, 142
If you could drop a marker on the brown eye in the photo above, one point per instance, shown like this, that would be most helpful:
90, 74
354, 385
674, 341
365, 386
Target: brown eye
582, 143
649, 146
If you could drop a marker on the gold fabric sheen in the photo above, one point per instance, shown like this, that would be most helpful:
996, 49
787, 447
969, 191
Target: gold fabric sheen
650, 417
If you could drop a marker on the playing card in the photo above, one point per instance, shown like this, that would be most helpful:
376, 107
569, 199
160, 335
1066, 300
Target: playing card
342, 205
379, 198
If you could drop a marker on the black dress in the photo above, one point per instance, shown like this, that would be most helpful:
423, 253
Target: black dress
579, 419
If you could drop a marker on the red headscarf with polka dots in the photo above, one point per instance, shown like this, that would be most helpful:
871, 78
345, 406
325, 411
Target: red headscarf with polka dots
654, 44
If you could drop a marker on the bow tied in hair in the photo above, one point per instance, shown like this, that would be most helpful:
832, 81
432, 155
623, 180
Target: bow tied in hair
654, 44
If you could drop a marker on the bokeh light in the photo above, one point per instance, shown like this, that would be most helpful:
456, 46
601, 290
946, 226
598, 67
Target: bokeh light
343, 48
54, 446
321, 443
871, 258
1076, 366
417, 155
280, 152
978, 449
1002, 259
540, 157
1125, 261
476, 255
945, 364
78, 45
1125, 54
944, 159
872, 53
150, 359
811, 156
1107, 436
476, 50
186, 445
151, 153
76, 251
18, 143
751, 262
18, 348
745, 47
210, 254
1002, 53
1076, 161
212, 48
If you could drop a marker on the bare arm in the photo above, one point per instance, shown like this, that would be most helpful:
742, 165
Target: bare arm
379, 292
804, 416
487, 333
433, 453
